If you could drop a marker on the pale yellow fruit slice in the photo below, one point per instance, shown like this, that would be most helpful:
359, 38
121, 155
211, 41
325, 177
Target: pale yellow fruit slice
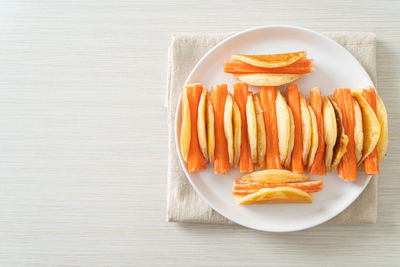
382, 115
201, 123
271, 61
371, 126
283, 123
261, 135
358, 131
306, 128
237, 132
185, 133
274, 176
330, 130
314, 136
279, 195
288, 161
251, 126
210, 130
228, 126
268, 79
342, 140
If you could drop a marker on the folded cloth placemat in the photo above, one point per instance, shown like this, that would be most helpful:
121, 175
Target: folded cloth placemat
183, 203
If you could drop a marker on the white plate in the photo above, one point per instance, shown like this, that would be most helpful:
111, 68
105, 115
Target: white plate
335, 68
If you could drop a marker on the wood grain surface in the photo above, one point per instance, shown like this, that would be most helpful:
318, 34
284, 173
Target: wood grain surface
83, 139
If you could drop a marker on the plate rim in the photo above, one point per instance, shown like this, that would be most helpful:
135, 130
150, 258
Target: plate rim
233, 36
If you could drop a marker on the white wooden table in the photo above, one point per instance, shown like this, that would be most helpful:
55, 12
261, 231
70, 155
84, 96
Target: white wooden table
83, 139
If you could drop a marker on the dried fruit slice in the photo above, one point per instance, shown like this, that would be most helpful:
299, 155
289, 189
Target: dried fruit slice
381, 113
210, 130
201, 123
268, 79
371, 162
271, 61
294, 103
275, 177
195, 160
330, 127
371, 126
261, 135
237, 133
288, 161
314, 137
283, 123
228, 126
241, 187
268, 104
299, 67
341, 140
245, 161
277, 195
318, 166
185, 134
221, 156
358, 130
252, 126
306, 128
347, 169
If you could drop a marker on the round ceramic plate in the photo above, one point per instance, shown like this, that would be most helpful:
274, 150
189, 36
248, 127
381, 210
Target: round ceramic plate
335, 68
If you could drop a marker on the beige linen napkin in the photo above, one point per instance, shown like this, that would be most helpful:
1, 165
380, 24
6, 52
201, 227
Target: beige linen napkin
183, 203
